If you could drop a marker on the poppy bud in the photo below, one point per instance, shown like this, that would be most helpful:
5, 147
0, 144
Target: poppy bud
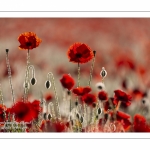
99, 111
76, 103
33, 81
48, 84
7, 50
49, 116
103, 73
45, 116
81, 119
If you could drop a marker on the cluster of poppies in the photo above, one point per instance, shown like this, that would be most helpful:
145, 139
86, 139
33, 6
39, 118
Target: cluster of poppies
88, 111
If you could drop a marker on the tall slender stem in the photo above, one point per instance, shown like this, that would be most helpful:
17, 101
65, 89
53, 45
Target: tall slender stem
28, 57
78, 80
78, 74
116, 109
56, 97
92, 67
69, 97
26, 88
2, 102
70, 104
9, 76
118, 106
1, 96
51, 108
32, 69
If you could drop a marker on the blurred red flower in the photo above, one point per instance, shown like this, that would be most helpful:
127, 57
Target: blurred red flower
138, 94
25, 111
139, 124
28, 41
67, 81
5, 72
139, 119
102, 95
80, 53
2, 110
48, 97
60, 126
122, 115
110, 104
36, 107
89, 99
124, 83
125, 62
80, 91
49, 126
61, 70
122, 96
107, 106
123, 118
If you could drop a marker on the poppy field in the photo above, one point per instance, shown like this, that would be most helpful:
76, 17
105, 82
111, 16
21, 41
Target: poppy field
74, 75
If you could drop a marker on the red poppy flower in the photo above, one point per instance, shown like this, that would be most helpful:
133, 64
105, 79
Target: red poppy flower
122, 115
36, 107
22, 111
137, 94
2, 110
107, 106
139, 119
48, 126
126, 124
139, 124
102, 95
48, 97
123, 97
25, 111
60, 126
80, 53
111, 104
67, 81
80, 91
89, 99
28, 40
125, 62
123, 118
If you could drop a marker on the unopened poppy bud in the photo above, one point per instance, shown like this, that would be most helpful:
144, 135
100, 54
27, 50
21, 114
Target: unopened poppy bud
49, 116
45, 116
48, 84
96, 116
81, 119
106, 116
103, 73
94, 52
72, 122
99, 111
7, 50
76, 103
77, 115
33, 81
143, 101
94, 105
69, 92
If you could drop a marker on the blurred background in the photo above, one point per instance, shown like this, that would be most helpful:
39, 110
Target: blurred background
122, 46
